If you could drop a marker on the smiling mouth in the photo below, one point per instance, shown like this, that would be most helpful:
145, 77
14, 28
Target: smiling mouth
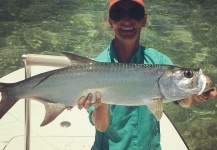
127, 29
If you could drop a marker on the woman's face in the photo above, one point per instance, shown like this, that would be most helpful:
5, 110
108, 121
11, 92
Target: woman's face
128, 25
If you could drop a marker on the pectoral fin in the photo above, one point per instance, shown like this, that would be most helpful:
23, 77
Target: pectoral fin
51, 112
156, 107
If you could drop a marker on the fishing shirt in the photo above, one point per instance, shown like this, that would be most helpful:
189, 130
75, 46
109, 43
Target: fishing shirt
131, 127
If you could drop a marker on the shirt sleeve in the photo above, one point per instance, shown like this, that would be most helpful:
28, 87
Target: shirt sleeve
90, 111
166, 60
153, 56
103, 57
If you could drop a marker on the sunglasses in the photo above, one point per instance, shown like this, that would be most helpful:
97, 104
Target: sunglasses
118, 14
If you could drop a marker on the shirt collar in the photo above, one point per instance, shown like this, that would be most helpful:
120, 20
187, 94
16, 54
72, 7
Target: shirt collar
138, 57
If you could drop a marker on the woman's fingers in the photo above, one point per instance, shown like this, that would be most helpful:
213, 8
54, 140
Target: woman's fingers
88, 101
81, 102
85, 102
97, 102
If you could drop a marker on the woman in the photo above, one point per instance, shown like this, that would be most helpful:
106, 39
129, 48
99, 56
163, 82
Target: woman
127, 127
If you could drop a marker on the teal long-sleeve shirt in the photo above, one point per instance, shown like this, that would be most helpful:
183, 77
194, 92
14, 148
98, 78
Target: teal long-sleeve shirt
131, 127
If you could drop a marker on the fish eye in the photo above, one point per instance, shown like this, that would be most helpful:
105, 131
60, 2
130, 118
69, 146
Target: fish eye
188, 73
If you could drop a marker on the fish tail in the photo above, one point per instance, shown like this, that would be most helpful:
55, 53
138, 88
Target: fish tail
5, 102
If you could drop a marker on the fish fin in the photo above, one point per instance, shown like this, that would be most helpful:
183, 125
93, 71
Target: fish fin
51, 112
5, 103
43, 79
156, 107
76, 58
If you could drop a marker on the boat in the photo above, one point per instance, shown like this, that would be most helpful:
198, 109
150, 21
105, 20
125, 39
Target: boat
71, 130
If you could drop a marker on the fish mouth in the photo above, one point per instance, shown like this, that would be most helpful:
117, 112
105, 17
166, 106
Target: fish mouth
201, 82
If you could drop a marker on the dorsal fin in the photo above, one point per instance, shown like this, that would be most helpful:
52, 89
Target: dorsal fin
76, 58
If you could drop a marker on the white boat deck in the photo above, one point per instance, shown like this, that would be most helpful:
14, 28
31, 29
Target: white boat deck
79, 136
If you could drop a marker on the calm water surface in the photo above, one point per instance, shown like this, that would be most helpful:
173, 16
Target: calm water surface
183, 30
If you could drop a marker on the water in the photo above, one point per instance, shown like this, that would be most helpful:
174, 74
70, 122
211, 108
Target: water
183, 30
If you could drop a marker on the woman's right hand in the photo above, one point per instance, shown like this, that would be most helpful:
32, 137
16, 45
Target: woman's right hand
86, 102
101, 113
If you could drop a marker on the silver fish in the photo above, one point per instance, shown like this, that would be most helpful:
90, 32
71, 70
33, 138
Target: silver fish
120, 84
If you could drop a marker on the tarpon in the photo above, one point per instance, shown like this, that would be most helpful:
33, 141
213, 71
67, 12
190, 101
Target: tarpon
118, 83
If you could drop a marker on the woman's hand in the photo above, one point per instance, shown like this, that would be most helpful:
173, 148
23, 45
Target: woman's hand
101, 113
206, 95
190, 100
86, 102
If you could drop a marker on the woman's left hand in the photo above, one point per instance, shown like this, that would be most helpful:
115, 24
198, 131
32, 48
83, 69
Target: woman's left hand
190, 100
206, 95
